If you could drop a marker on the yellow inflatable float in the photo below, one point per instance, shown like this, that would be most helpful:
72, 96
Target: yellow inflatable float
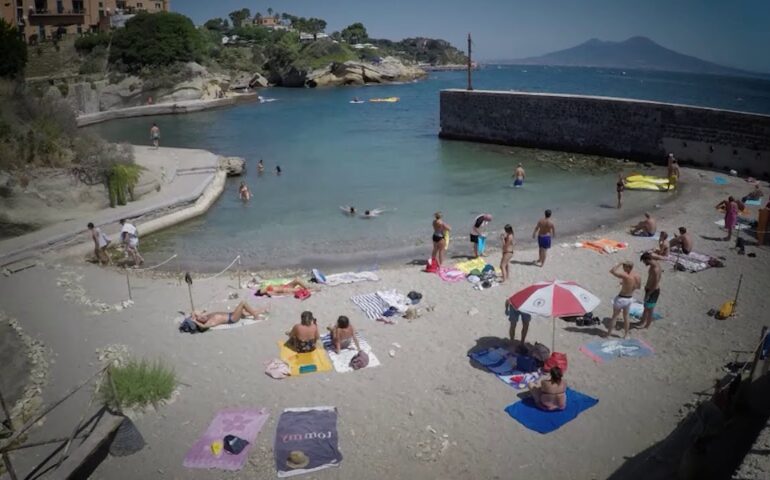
646, 182
384, 100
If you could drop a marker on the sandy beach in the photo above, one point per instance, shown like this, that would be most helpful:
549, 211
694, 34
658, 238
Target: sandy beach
427, 412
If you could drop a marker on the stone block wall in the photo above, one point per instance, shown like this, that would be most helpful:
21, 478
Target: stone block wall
633, 129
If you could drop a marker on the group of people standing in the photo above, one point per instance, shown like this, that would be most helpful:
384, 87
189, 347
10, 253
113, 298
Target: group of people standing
129, 240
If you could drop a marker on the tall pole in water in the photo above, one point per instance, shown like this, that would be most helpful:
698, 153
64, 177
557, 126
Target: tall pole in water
470, 84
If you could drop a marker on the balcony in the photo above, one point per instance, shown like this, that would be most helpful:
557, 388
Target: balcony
56, 18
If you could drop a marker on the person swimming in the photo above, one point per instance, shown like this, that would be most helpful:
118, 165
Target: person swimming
348, 210
260, 167
372, 213
278, 170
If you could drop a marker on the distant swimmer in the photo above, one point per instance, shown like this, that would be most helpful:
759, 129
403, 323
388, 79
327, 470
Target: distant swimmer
518, 176
347, 210
260, 167
278, 170
373, 213
545, 231
244, 193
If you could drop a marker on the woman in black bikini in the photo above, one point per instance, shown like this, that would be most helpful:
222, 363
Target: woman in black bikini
507, 251
619, 187
304, 335
439, 238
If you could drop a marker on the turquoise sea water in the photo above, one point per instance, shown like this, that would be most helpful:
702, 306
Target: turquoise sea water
334, 153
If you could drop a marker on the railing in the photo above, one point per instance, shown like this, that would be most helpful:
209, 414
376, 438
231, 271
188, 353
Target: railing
45, 11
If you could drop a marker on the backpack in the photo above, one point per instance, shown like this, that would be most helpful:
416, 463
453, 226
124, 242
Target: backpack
188, 326
360, 360
556, 359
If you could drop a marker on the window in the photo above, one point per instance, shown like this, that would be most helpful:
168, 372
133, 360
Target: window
139, 5
157, 6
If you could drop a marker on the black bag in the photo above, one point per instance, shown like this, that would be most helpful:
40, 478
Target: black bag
234, 445
188, 326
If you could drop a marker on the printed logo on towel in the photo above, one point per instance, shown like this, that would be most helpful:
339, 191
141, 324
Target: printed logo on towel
298, 437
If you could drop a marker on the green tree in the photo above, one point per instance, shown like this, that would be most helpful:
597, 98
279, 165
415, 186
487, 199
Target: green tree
217, 25
269, 12
13, 51
239, 16
315, 26
156, 39
355, 33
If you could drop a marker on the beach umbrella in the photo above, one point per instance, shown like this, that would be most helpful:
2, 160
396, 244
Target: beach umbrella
556, 298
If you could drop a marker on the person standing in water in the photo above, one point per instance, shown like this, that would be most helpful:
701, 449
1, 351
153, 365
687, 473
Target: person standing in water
620, 186
477, 233
507, 251
518, 176
440, 230
260, 167
244, 193
155, 135
278, 170
630, 281
544, 231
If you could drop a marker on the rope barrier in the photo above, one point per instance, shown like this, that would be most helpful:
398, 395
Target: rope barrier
220, 273
155, 266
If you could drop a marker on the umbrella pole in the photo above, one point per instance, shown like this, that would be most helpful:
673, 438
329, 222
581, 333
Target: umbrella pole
553, 335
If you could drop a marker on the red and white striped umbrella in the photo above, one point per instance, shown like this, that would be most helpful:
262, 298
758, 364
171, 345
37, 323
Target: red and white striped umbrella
556, 298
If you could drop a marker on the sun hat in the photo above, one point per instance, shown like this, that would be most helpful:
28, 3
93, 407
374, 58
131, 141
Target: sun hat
297, 459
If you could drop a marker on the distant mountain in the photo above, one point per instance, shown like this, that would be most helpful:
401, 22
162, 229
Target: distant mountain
634, 53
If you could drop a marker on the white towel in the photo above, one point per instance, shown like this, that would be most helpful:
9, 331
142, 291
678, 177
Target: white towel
395, 299
350, 277
341, 361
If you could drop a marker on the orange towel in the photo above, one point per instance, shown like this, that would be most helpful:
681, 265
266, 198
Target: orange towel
604, 245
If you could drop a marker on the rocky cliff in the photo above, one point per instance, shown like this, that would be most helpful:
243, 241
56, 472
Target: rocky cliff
389, 69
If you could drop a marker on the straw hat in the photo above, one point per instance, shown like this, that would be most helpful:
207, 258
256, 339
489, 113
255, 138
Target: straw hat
297, 459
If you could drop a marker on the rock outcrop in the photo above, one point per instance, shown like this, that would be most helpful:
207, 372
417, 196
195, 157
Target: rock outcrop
242, 81
389, 69
234, 166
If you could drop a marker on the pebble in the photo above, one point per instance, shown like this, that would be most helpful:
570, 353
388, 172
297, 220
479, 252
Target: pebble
392, 352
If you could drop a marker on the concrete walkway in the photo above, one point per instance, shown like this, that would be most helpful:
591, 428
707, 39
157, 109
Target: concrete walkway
185, 174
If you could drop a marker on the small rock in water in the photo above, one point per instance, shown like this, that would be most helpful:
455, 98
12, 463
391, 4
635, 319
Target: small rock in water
392, 352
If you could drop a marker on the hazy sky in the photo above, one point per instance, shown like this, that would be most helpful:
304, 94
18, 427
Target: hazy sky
731, 32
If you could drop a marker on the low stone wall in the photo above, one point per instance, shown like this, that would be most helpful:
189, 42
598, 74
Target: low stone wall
633, 129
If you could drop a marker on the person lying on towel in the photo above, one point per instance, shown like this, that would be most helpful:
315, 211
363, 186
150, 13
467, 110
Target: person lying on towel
343, 334
204, 321
552, 392
304, 335
285, 289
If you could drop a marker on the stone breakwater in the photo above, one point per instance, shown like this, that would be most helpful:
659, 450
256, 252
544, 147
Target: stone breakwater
633, 129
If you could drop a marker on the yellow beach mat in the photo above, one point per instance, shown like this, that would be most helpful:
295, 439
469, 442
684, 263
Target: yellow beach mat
300, 363
646, 182
467, 266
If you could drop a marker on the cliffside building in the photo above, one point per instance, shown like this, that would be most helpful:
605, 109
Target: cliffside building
45, 19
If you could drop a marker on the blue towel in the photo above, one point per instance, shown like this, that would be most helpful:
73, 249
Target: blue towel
527, 414
753, 203
720, 180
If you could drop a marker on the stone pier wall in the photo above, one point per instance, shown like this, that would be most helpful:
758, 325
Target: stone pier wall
633, 129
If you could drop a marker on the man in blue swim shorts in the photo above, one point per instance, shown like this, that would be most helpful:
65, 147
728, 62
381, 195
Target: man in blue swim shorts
544, 231
518, 176
513, 317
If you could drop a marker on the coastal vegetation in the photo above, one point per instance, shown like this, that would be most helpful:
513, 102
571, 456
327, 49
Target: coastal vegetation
13, 51
137, 384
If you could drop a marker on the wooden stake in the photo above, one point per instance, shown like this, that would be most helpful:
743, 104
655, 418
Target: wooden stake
128, 282
239, 272
470, 63
188, 281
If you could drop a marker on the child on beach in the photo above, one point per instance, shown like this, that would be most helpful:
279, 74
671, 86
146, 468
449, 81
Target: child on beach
343, 334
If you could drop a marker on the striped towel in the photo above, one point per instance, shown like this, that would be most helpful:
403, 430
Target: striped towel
341, 361
372, 305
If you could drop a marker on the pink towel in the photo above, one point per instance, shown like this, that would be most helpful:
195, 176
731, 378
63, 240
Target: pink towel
448, 274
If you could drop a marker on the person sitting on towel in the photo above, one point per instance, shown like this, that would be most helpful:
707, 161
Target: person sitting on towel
645, 228
285, 289
204, 321
661, 253
343, 334
304, 335
552, 392
755, 194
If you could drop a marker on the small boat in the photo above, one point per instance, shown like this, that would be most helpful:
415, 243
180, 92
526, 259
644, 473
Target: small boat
356, 102
385, 100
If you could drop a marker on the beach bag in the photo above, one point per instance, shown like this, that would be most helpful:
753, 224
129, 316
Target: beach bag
188, 326
317, 276
302, 294
556, 359
488, 269
540, 352
359, 361
432, 266
234, 445
526, 364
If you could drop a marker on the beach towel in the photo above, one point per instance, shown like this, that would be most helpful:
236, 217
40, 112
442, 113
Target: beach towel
241, 422
526, 413
301, 363
692, 262
449, 274
350, 277
720, 180
637, 308
606, 350
469, 265
341, 361
502, 363
371, 304
604, 245
754, 203
738, 226
243, 322
310, 433
395, 299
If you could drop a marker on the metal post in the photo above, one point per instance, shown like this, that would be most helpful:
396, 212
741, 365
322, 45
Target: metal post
470, 84
757, 354
128, 282
188, 281
239, 272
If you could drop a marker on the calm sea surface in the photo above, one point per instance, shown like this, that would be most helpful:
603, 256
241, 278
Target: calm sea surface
384, 155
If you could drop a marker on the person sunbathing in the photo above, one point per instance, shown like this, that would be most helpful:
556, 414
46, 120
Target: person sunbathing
285, 289
343, 334
304, 335
204, 321
755, 194
645, 228
663, 250
552, 392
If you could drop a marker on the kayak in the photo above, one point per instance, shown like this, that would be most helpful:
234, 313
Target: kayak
357, 101
384, 100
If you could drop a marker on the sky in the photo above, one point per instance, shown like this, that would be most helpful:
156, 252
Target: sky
734, 33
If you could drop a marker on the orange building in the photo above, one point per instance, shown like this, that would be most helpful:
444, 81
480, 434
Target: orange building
46, 19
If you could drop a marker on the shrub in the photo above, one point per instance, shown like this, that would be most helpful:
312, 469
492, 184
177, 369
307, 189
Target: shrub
64, 89
88, 43
138, 384
156, 39
13, 51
